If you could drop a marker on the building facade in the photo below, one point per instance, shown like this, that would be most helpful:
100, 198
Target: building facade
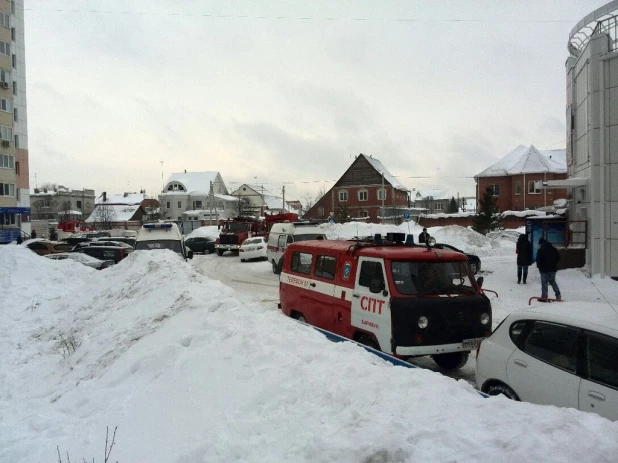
59, 203
592, 137
14, 169
366, 191
431, 201
517, 179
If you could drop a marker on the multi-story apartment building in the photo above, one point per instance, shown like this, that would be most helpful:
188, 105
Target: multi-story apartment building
14, 172
60, 203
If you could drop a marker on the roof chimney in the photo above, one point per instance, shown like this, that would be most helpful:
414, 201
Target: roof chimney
185, 171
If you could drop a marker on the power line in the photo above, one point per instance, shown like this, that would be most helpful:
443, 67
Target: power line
301, 18
331, 180
554, 144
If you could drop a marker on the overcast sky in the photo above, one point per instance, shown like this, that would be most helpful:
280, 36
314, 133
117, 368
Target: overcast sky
290, 91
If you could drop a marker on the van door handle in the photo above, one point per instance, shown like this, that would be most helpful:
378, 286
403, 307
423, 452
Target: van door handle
339, 317
596, 395
521, 363
312, 285
355, 295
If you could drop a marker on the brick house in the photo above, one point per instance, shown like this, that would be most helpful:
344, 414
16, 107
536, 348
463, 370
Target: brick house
434, 201
360, 194
517, 178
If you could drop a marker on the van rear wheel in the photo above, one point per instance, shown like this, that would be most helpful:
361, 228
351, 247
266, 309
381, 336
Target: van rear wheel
452, 361
220, 252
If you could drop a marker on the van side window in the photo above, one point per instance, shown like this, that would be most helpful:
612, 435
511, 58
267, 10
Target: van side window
281, 242
370, 271
301, 262
290, 239
325, 267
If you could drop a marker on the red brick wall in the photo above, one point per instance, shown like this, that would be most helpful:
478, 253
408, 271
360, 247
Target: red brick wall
508, 200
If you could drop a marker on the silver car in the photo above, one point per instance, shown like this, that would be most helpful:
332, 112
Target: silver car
84, 259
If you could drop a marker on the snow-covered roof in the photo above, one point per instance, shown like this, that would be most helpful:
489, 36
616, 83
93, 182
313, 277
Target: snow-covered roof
124, 198
194, 182
377, 165
528, 160
435, 194
272, 202
70, 213
226, 197
117, 213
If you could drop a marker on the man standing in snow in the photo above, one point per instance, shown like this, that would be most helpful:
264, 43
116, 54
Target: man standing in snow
422, 238
524, 257
547, 258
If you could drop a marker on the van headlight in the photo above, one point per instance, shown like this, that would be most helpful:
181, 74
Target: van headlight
484, 318
423, 322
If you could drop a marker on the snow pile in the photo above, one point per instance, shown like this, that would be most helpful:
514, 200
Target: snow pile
208, 231
190, 374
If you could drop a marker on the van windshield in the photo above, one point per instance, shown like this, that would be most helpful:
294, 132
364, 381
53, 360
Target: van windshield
313, 236
234, 227
419, 278
173, 245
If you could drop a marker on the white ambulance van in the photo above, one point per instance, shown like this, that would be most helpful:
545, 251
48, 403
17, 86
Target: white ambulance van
285, 233
162, 235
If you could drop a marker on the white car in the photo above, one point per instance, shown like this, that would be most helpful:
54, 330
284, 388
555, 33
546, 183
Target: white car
253, 248
85, 259
563, 354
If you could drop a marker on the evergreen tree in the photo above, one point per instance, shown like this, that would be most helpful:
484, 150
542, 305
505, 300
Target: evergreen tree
53, 233
487, 217
342, 214
452, 206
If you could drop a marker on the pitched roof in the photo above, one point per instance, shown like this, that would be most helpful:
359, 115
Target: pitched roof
193, 181
125, 198
435, 194
377, 165
529, 160
115, 213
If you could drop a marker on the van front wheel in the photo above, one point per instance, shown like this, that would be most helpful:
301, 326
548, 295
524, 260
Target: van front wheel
452, 361
369, 341
220, 252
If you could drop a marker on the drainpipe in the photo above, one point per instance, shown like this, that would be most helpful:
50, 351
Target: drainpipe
525, 191
545, 190
602, 168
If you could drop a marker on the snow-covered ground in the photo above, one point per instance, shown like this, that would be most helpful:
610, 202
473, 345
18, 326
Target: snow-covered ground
194, 370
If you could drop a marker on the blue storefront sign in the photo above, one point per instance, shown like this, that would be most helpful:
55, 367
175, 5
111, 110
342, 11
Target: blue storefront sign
8, 235
14, 210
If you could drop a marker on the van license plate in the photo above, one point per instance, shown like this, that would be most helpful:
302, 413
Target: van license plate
471, 343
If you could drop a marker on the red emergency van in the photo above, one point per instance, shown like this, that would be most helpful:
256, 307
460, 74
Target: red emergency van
405, 300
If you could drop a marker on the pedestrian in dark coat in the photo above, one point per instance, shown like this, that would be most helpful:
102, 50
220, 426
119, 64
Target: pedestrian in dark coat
547, 258
33, 234
524, 257
422, 238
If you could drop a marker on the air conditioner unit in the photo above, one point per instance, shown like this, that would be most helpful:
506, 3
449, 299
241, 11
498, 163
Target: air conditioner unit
5, 143
5, 85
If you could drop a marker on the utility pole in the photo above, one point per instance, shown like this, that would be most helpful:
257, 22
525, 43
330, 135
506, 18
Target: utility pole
382, 213
210, 197
283, 192
162, 184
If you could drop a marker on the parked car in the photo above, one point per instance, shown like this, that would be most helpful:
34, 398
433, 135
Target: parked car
130, 240
204, 244
473, 260
253, 248
565, 355
84, 259
43, 247
115, 253
104, 242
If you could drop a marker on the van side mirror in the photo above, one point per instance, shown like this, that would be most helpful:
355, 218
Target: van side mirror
376, 286
479, 281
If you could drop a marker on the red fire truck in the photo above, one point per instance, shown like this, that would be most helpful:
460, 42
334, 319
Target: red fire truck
403, 299
235, 231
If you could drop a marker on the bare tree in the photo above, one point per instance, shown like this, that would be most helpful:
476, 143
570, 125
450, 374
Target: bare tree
49, 186
104, 214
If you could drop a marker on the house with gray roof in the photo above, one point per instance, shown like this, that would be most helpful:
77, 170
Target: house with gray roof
516, 179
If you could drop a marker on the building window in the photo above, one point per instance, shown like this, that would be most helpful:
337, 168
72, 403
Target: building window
7, 189
517, 188
179, 204
363, 214
46, 203
5, 76
168, 205
14, 60
343, 195
5, 20
13, 7
363, 195
14, 88
381, 194
16, 141
15, 114
13, 34
17, 168
5, 48
320, 212
495, 188
6, 105
532, 189
7, 161
79, 204
439, 206
197, 205
6, 133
